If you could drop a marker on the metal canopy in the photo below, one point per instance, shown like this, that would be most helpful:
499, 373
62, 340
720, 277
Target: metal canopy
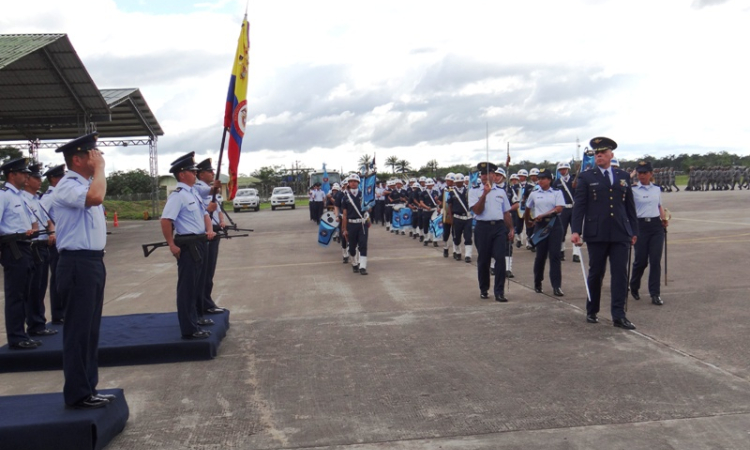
47, 93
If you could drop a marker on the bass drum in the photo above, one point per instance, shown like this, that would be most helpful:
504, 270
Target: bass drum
330, 218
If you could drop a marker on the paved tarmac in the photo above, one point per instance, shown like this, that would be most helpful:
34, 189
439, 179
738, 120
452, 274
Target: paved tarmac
410, 357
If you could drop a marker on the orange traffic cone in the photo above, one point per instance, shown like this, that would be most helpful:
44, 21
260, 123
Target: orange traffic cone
116, 223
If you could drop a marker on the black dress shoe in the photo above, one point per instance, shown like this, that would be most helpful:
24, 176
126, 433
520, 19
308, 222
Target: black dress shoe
445, 253
538, 288
24, 345
484, 295
355, 269
202, 334
205, 322
44, 332
492, 271
562, 256
363, 271
501, 299
421, 238
558, 292
346, 260
216, 310
426, 243
467, 259
634, 293
591, 318
623, 323
656, 300
91, 402
435, 244
58, 321
533, 249
108, 397
576, 258
509, 274
457, 256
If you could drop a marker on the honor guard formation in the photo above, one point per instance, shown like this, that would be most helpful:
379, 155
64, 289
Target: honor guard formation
609, 209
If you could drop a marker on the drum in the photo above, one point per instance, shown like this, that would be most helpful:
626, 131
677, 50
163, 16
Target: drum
325, 232
406, 217
330, 218
396, 220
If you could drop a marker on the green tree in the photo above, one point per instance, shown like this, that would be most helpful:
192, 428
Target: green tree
8, 153
365, 160
403, 166
270, 177
431, 168
136, 181
392, 162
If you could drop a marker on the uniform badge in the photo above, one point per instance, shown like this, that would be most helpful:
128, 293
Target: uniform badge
623, 183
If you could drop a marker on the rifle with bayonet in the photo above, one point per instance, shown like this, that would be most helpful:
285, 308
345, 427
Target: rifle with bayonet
11, 240
189, 241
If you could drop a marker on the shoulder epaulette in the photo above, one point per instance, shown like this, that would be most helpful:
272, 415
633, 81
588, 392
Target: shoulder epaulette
4, 188
178, 189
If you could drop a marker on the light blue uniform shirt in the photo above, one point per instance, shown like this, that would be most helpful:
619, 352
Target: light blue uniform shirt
14, 215
185, 209
495, 205
204, 192
77, 227
32, 203
647, 200
541, 201
46, 202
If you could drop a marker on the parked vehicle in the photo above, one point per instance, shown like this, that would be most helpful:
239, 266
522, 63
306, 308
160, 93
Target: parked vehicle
282, 196
246, 199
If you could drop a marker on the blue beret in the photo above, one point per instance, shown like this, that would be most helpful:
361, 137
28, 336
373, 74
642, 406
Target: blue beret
80, 144
602, 143
185, 162
16, 165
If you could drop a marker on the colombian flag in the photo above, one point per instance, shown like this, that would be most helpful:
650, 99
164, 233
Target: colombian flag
235, 112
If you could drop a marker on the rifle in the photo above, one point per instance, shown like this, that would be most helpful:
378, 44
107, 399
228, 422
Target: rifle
11, 240
186, 240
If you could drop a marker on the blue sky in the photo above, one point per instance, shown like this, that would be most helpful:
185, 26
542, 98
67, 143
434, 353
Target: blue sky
331, 80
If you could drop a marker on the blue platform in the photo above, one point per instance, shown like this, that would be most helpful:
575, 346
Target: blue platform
125, 340
43, 422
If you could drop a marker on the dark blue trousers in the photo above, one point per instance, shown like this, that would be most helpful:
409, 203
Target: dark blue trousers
35, 311
57, 307
461, 228
648, 250
564, 218
81, 277
491, 239
617, 253
207, 276
189, 288
549, 248
357, 237
17, 277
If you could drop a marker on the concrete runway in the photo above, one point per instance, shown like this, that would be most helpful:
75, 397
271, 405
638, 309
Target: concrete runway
410, 357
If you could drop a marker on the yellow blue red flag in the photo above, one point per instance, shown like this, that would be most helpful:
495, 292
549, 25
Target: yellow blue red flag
235, 112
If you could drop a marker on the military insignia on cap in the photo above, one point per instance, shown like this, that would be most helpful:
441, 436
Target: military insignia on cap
642, 163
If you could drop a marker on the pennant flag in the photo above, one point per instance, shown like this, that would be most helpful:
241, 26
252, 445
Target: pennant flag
474, 179
235, 112
372, 164
542, 234
436, 226
368, 192
326, 186
588, 161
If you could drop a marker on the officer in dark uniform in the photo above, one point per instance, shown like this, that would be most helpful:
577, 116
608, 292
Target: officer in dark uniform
57, 308
81, 237
651, 229
185, 213
355, 223
17, 269
494, 228
36, 320
604, 212
206, 187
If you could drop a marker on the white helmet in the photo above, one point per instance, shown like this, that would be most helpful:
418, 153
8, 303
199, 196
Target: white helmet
450, 177
353, 177
336, 187
429, 182
533, 172
412, 180
458, 178
514, 176
563, 165
523, 173
614, 162
501, 171
398, 181
415, 185
422, 179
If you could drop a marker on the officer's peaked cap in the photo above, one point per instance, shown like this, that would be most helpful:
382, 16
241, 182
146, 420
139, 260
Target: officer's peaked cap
16, 165
80, 144
185, 162
602, 143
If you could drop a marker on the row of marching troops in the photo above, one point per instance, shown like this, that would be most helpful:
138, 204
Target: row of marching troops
619, 209
57, 240
718, 178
